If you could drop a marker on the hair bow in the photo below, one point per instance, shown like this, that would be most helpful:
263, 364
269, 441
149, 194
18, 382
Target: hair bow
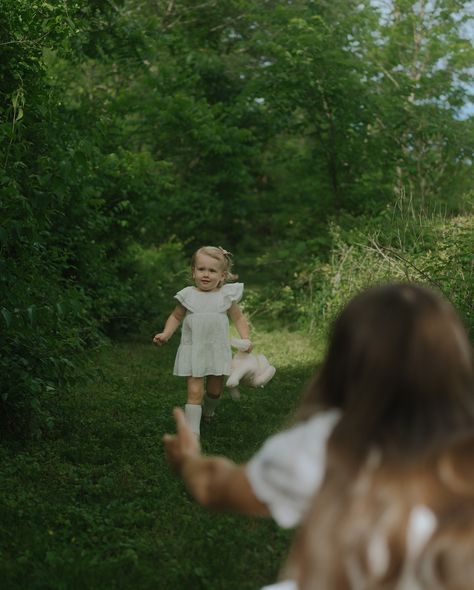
225, 252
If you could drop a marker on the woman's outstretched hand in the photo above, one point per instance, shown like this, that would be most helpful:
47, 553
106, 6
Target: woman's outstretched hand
182, 445
214, 482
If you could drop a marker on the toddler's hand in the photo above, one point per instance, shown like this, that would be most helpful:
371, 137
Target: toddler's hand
182, 445
160, 339
243, 344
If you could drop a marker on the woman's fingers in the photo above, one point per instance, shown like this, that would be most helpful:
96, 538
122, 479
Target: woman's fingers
180, 420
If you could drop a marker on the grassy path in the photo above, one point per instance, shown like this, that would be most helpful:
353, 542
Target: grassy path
95, 507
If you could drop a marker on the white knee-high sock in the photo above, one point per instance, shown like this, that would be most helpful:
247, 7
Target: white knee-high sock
192, 413
209, 406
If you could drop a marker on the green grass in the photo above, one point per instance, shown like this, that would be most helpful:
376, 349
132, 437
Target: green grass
96, 507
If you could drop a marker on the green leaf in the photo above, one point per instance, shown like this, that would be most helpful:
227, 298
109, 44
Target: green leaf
31, 311
7, 316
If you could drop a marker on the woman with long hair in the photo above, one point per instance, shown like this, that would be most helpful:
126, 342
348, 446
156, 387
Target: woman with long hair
394, 395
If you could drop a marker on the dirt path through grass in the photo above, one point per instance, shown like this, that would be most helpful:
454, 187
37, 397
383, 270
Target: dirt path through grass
96, 507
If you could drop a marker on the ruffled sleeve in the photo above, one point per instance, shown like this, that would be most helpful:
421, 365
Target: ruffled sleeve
289, 468
286, 585
232, 293
186, 297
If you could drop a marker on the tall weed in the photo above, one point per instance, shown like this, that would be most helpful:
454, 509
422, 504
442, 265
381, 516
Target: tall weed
425, 248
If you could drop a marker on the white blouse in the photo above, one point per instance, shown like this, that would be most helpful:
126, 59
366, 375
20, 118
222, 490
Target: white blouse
288, 470
286, 585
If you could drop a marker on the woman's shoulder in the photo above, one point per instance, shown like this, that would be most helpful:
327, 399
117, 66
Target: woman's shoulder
303, 435
285, 585
321, 421
289, 468
304, 440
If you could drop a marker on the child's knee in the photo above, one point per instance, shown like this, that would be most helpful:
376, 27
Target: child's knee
195, 391
214, 385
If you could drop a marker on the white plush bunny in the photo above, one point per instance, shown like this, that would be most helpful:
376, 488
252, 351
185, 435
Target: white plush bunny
248, 368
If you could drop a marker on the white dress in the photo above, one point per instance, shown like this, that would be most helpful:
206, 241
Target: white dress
205, 345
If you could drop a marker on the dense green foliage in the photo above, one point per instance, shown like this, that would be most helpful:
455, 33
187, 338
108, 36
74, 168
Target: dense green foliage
134, 130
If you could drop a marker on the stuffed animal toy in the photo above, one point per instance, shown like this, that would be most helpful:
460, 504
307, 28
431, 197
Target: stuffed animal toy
250, 369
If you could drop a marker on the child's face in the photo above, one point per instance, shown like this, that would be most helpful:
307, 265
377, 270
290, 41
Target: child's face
207, 273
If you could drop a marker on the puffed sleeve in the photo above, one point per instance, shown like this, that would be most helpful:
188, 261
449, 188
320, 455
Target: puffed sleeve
285, 585
186, 298
289, 468
232, 293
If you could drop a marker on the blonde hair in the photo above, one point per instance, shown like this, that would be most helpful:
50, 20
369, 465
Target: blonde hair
218, 253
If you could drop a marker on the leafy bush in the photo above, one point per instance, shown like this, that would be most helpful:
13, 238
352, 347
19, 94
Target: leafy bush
155, 275
307, 283
434, 250
71, 203
44, 325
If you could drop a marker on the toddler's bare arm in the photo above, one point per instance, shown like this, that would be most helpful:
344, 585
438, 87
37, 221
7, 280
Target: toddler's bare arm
171, 325
240, 322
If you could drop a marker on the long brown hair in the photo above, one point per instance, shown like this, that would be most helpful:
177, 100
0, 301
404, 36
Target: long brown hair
400, 367
357, 537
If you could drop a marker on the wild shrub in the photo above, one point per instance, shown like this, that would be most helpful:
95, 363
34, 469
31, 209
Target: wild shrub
434, 250
71, 203
154, 275
307, 283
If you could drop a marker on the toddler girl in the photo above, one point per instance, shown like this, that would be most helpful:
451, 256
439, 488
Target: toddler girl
204, 355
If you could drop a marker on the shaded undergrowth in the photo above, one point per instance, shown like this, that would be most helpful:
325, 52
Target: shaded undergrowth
96, 507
